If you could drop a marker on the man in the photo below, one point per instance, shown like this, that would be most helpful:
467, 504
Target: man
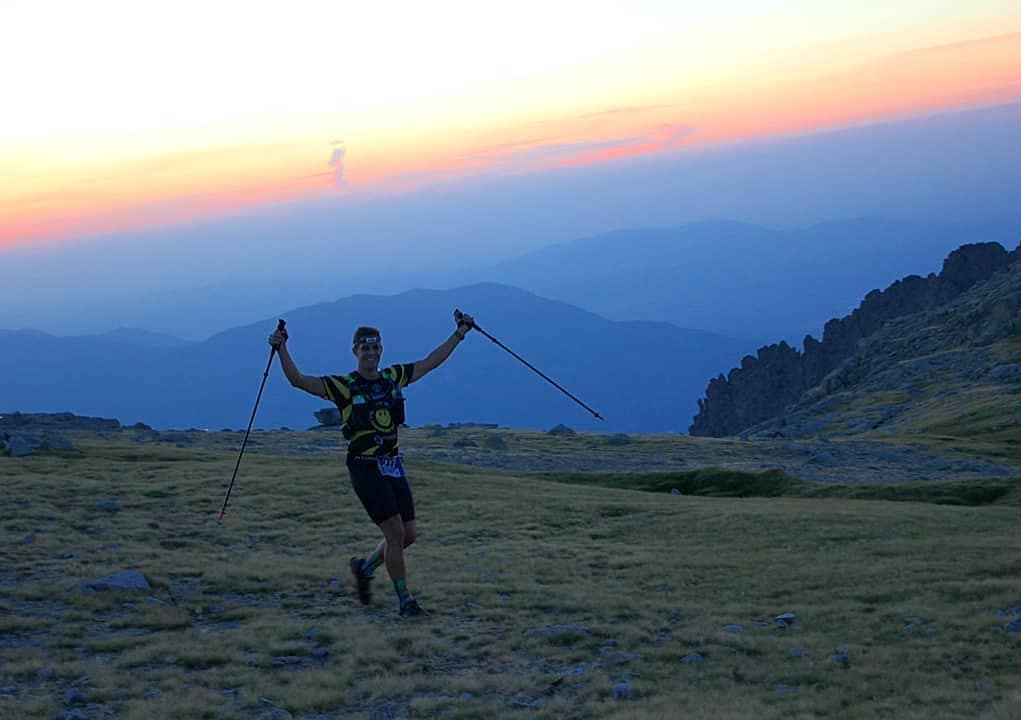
372, 408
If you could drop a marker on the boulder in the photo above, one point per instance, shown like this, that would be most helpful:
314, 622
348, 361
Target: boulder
328, 416
128, 580
20, 446
59, 442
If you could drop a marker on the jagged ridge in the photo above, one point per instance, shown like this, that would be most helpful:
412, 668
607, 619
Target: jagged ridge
767, 386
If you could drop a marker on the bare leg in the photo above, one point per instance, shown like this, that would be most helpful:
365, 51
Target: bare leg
393, 547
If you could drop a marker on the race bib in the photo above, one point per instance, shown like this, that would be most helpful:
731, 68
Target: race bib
391, 466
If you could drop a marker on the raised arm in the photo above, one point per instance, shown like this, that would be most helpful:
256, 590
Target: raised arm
309, 383
434, 359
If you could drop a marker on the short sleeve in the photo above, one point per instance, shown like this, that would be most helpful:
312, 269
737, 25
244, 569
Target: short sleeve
402, 373
336, 389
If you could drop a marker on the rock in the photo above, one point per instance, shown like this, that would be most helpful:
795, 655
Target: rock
622, 691
1006, 372
782, 688
1013, 627
109, 505
75, 696
558, 630
28, 539
824, 458
798, 652
618, 439
389, 711
495, 442
73, 714
560, 429
20, 446
841, 657
57, 421
693, 659
785, 620
58, 442
328, 416
733, 628
675, 491
617, 658
129, 580
276, 714
288, 660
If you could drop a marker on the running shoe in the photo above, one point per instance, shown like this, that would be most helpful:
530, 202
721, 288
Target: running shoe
412, 609
361, 580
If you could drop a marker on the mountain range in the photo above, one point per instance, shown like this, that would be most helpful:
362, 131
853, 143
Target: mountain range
641, 376
725, 277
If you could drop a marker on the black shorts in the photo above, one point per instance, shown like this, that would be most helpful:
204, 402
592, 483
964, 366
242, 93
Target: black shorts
382, 496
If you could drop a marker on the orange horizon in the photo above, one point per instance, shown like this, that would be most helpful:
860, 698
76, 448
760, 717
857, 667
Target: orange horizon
164, 189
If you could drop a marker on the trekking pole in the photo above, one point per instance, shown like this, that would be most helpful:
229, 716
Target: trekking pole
280, 328
536, 370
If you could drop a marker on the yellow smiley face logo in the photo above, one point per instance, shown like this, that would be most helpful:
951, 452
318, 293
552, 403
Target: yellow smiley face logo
381, 419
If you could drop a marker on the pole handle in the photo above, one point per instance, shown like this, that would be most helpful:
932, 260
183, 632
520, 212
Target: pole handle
280, 329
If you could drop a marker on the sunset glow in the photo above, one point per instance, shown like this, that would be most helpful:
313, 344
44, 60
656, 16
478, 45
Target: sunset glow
131, 115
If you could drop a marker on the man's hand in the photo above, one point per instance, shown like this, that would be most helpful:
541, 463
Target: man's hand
464, 321
278, 338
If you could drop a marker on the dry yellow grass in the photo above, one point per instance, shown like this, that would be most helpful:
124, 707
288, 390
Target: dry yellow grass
254, 617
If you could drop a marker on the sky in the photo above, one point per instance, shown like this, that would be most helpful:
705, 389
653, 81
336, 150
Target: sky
135, 117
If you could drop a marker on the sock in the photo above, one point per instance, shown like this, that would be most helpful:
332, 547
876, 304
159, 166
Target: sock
372, 562
401, 587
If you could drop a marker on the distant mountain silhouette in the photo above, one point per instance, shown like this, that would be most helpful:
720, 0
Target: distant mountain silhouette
725, 277
914, 320
137, 336
738, 279
642, 376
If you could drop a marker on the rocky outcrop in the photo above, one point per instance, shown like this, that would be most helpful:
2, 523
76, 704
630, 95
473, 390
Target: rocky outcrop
328, 416
55, 421
765, 386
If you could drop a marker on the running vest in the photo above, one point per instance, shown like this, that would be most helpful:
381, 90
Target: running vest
376, 405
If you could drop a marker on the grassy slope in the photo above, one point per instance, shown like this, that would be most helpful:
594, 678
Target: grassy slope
911, 591
926, 378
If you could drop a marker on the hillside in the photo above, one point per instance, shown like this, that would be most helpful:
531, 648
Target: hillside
954, 372
926, 355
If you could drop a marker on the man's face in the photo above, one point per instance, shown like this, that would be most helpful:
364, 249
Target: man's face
368, 354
